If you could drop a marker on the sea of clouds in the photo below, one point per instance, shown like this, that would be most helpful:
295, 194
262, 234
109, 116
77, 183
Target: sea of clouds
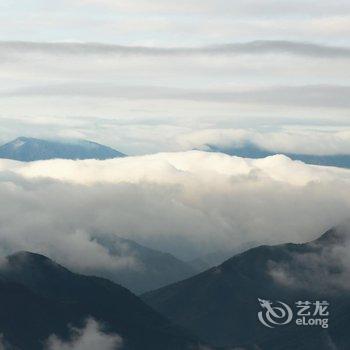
185, 203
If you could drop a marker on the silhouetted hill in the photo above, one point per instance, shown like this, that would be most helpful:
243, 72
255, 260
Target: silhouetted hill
30, 149
221, 305
39, 297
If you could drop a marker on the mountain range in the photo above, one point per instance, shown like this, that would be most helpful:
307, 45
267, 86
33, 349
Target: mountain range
250, 150
221, 305
27, 149
39, 298
155, 269
209, 260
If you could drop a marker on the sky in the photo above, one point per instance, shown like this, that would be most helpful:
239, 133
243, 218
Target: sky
147, 76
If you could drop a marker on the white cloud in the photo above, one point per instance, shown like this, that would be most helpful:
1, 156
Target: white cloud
89, 338
186, 203
4, 344
185, 168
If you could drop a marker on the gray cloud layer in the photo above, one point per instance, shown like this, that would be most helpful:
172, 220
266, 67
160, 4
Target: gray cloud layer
223, 63
253, 48
88, 90
308, 96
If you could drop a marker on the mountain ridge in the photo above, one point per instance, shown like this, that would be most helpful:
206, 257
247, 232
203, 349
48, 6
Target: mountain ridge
157, 268
43, 298
220, 305
250, 150
27, 149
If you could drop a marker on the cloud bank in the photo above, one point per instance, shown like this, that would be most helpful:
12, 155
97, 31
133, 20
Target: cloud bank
252, 48
187, 203
308, 96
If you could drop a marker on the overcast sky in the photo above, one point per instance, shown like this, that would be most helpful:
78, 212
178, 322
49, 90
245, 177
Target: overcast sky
143, 75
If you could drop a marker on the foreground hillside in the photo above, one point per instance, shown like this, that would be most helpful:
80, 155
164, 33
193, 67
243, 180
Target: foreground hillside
221, 305
39, 298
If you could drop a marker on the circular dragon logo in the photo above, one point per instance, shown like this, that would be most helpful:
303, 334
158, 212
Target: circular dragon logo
274, 313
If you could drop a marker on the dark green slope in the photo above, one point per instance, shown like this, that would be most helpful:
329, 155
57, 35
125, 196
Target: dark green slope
221, 305
39, 297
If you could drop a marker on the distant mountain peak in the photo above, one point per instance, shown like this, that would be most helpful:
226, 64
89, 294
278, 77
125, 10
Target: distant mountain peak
33, 266
250, 150
24, 138
22, 255
19, 142
25, 259
31, 149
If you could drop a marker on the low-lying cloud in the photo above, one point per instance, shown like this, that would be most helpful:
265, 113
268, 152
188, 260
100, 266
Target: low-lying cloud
312, 142
89, 338
325, 269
